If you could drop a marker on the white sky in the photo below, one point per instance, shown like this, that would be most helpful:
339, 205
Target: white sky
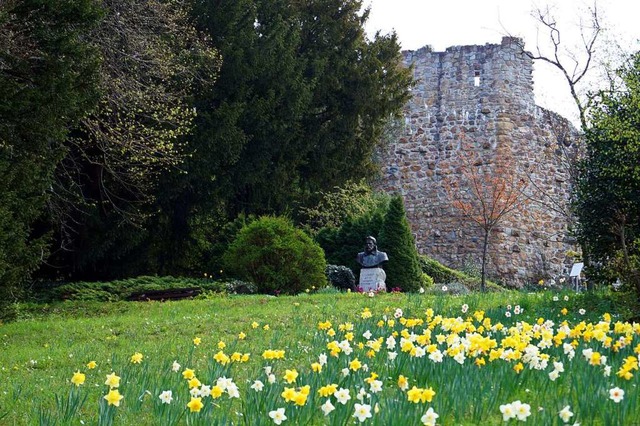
445, 23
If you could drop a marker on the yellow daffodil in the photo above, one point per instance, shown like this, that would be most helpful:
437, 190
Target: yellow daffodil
188, 374
216, 392
112, 381
91, 365
195, 405
427, 395
403, 383
197, 341
113, 397
136, 358
328, 390
78, 378
355, 365
300, 398
414, 394
290, 375
288, 394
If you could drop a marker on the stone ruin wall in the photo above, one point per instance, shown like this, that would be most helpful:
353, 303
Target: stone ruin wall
482, 97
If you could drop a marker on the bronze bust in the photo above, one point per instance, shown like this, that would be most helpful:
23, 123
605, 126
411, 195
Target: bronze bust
371, 257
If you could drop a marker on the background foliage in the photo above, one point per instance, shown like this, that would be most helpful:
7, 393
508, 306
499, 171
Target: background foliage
608, 190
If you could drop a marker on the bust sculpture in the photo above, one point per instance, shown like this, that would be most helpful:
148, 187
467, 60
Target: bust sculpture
371, 257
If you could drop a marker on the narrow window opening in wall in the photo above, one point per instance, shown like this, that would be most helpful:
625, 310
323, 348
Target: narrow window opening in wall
476, 79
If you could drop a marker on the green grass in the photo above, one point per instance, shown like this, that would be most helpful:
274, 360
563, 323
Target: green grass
41, 351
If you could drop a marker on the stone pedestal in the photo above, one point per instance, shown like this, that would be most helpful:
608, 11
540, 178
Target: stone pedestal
372, 279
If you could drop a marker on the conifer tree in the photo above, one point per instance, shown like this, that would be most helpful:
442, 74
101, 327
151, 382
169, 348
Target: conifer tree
403, 268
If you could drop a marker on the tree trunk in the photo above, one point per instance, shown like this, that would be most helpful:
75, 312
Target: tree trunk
483, 274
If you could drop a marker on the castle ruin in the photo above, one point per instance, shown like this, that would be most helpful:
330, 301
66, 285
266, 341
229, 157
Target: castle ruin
480, 98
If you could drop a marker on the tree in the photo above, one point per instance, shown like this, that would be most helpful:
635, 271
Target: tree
403, 268
360, 85
486, 193
48, 81
153, 60
300, 102
608, 191
296, 111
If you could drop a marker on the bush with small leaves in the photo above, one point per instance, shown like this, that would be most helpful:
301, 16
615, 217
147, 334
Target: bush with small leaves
277, 257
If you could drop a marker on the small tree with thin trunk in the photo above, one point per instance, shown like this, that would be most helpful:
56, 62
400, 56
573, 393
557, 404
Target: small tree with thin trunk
486, 193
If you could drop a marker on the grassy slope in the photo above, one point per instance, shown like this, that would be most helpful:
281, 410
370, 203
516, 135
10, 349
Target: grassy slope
40, 352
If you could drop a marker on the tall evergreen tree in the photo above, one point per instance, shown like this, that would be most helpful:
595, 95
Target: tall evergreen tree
297, 109
403, 268
48, 76
300, 102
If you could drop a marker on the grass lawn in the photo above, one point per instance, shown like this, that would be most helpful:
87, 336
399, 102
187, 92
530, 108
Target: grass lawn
400, 358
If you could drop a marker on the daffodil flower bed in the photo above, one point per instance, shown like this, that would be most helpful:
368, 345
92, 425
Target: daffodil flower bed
392, 365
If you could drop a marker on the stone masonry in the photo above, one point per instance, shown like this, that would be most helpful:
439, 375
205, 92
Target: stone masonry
480, 99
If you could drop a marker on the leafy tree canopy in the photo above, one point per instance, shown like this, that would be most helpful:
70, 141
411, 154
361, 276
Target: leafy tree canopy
608, 191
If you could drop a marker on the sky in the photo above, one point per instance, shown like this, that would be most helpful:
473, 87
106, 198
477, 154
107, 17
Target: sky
444, 23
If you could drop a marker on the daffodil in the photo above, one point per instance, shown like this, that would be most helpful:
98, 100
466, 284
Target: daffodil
521, 410
290, 376
91, 365
257, 385
507, 412
216, 392
565, 414
414, 394
403, 383
327, 407
136, 358
78, 378
188, 374
195, 405
113, 381
362, 412
278, 416
429, 418
355, 365
616, 394
113, 397
328, 390
166, 397
197, 341
194, 383
342, 396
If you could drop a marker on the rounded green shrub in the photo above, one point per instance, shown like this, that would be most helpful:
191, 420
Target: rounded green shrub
276, 256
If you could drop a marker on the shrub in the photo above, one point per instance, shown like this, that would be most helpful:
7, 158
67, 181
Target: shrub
276, 256
403, 268
113, 291
341, 277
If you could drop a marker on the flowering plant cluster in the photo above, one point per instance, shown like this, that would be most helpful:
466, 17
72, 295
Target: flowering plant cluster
399, 366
